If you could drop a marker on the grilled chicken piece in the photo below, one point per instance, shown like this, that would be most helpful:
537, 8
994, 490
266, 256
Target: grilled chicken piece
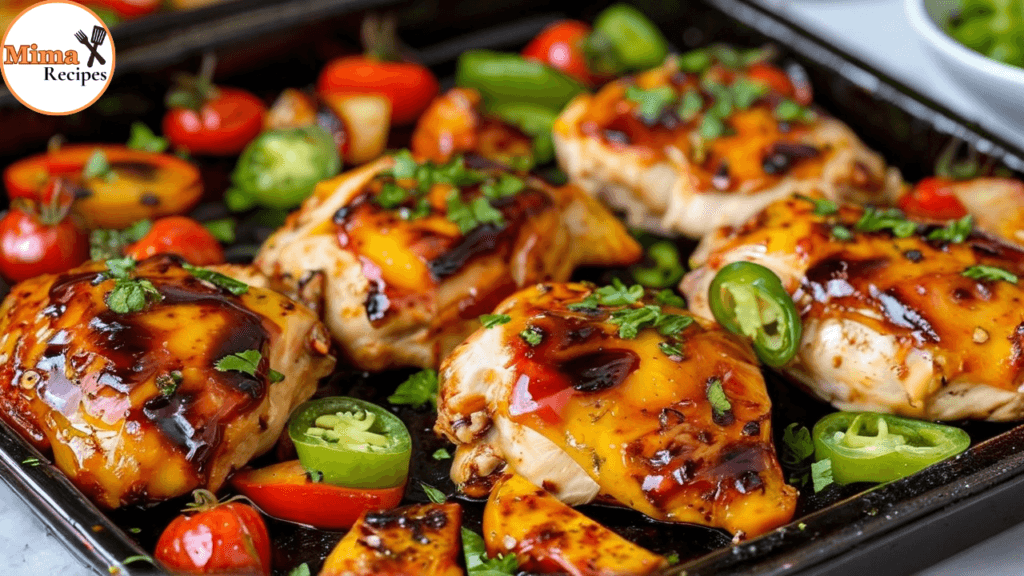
890, 324
418, 539
590, 415
997, 205
454, 124
133, 405
668, 178
403, 286
549, 537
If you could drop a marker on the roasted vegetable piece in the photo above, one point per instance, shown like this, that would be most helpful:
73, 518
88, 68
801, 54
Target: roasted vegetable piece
351, 442
417, 539
178, 235
286, 490
213, 121
408, 86
280, 168
562, 46
548, 536
934, 199
148, 380
635, 42
115, 185
872, 447
214, 538
509, 78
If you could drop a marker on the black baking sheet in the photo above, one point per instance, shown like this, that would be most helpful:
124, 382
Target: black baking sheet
892, 529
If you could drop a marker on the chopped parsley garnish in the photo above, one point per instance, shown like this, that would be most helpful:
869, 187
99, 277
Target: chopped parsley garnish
433, 494
421, 210
417, 390
391, 195
956, 231
669, 298
442, 454
97, 167
650, 103
300, 570
142, 138
716, 396
506, 185
246, 362
405, 165
470, 216
168, 383
631, 320
875, 220
236, 287
104, 244
223, 229
670, 348
797, 445
745, 92
990, 273
789, 111
492, 320
694, 61
477, 561
690, 106
821, 474
588, 303
842, 233
129, 294
618, 294
711, 127
532, 335
672, 324
822, 206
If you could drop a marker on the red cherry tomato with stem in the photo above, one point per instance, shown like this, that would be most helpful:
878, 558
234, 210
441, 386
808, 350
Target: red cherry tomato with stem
178, 235
561, 46
40, 237
216, 538
932, 198
226, 120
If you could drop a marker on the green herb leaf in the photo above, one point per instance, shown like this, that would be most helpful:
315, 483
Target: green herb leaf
745, 92
492, 320
631, 320
105, 244
405, 165
650, 103
789, 111
435, 495
142, 138
797, 445
821, 474
391, 195
990, 273
246, 362
236, 287
690, 106
618, 294
711, 127
588, 303
506, 185
672, 559
694, 61
300, 570
669, 298
670, 348
274, 376
672, 324
455, 173
442, 454
532, 335
131, 295
875, 220
97, 167
422, 210
168, 383
120, 268
822, 206
223, 229
477, 561
417, 390
726, 55
469, 216
956, 231
484, 213
842, 233
716, 396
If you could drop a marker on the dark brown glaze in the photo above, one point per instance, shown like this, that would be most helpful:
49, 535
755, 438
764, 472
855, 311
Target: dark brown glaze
755, 153
639, 422
103, 397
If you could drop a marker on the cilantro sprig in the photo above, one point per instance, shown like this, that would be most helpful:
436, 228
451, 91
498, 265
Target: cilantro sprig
246, 362
236, 287
104, 243
417, 390
956, 231
129, 294
990, 273
492, 320
478, 563
892, 219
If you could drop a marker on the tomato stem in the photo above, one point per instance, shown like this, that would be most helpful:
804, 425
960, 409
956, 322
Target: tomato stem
379, 37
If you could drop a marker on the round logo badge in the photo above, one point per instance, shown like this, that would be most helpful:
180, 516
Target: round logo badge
58, 57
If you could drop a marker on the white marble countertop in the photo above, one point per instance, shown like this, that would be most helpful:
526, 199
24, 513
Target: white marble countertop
875, 30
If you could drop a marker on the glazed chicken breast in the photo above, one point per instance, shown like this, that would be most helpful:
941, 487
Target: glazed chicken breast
921, 320
140, 406
685, 148
636, 403
402, 257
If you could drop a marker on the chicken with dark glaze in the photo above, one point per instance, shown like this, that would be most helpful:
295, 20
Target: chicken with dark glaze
683, 149
635, 402
141, 406
922, 320
402, 257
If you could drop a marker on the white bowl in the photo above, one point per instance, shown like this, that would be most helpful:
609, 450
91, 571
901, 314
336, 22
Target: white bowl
999, 85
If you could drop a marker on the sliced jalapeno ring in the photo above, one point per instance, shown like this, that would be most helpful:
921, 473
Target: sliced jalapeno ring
749, 299
871, 447
353, 443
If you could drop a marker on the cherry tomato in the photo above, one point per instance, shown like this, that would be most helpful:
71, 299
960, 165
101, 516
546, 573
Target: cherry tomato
560, 46
221, 127
410, 87
40, 237
780, 82
285, 491
932, 198
213, 538
182, 236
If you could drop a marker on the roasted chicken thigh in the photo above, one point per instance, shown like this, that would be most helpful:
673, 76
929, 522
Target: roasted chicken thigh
402, 257
913, 319
631, 402
140, 406
685, 148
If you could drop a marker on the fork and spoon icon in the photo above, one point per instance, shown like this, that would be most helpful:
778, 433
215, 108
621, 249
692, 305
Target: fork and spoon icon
99, 35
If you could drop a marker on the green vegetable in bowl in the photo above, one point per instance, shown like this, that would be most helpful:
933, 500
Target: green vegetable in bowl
994, 28
280, 168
